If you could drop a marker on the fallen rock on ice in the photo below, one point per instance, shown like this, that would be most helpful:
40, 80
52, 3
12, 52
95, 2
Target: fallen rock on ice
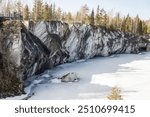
70, 77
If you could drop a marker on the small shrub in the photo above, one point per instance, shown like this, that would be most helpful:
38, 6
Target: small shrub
115, 94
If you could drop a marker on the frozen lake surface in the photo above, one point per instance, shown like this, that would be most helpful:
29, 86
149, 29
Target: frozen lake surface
129, 72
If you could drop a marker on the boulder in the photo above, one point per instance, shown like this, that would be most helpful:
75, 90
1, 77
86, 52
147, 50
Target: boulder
70, 77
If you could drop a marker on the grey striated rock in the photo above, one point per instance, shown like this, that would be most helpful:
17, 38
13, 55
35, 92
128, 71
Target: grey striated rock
35, 56
41, 29
52, 35
22, 55
85, 41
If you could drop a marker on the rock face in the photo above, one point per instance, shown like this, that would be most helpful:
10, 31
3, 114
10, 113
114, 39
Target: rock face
85, 41
10, 84
21, 55
52, 35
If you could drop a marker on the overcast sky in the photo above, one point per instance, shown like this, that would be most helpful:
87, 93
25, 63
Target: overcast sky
133, 7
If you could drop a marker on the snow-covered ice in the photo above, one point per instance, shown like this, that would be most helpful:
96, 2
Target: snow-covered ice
129, 72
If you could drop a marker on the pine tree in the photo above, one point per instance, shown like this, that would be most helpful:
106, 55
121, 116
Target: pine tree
102, 13
19, 7
136, 23
148, 27
128, 24
69, 17
139, 29
91, 18
54, 12
51, 11
58, 14
144, 27
63, 17
97, 19
123, 25
46, 12
37, 10
7, 9
26, 13
78, 17
132, 26
117, 21
106, 20
84, 10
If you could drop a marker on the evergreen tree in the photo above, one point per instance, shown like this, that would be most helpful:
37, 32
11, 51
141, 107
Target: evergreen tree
117, 21
51, 12
37, 10
102, 19
54, 12
148, 27
63, 17
78, 17
58, 14
106, 20
132, 26
128, 24
123, 25
19, 7
69, 17
7, 9
26, 13
97, 16
136, 24
46, 12
144, 27
139, 29
84, 13
91, 18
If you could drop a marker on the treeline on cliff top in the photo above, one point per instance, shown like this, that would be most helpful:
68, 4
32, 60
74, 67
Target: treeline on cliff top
42, 11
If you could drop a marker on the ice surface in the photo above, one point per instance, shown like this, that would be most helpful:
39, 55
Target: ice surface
129, 72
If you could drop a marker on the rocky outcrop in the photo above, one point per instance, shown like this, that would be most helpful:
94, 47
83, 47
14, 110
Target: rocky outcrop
21, 55
52, 35
85, 41
10, 84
